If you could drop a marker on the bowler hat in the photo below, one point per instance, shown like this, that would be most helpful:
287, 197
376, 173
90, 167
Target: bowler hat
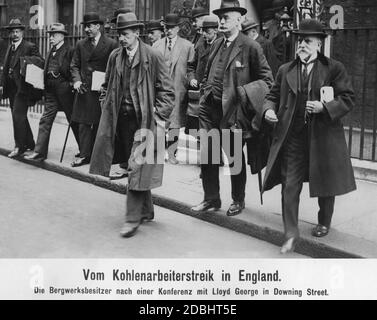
230, 5
57, 28
15, 24
210, 22
127, 21
92, 17
311, 27
155, 25
118, 12
171, 20
198, 12
249, 24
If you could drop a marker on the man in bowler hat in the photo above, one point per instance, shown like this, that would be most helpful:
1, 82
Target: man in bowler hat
155, 31
14, 87
177, 53
308, 137
140, 91
234, 62
91, 54
197, 17
58, 89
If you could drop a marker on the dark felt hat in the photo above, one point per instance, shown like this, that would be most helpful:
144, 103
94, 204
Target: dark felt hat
171, 20
91, 17
128, 21
198, 12
155, 25
230, 5
15, 24
118, 12
57, 28
311, 27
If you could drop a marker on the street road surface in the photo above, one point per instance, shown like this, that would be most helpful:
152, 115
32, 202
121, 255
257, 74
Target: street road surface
47, 215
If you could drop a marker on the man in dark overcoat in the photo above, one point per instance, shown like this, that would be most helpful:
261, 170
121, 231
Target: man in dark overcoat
58, 89
197, 17
139, 97
235, 61
91, 54
197, 67
308, 138
13, 86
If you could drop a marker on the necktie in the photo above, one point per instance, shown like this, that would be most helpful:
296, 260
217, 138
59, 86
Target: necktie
305, 72
226, 44
93, 42
170, 45
13, 47
53, 51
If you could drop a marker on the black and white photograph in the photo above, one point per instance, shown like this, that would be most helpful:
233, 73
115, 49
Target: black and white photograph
188, 150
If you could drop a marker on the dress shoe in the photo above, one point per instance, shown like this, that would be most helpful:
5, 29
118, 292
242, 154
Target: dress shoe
15, 153
35, 156
288, 246
173, 160
208, 206
80, 162
118, 174
235, 208
148, 219
320, 231
129, 229
77, 155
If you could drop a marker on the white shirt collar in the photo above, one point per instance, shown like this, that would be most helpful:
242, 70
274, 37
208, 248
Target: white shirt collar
59, 45
233, 37
97, 37
16, 44
131, 53
310, 63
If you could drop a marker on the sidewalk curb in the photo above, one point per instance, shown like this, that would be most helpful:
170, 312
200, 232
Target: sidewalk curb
305, 246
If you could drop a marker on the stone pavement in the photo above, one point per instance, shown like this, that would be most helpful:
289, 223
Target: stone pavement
354, 228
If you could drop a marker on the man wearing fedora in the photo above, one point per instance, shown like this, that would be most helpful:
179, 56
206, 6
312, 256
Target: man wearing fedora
177, 52
91, 54
306, 104
155, 31
58, 89
140, 91
14, 87
197, 66
251, 28
234, 61
197, 17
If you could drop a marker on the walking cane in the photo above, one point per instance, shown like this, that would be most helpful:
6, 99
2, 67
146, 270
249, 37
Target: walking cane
260, 186
69, 127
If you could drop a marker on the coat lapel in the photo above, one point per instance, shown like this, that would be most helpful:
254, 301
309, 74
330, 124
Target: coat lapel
320, 74
292, 76
18, 53
175, 53
237, 48
216, 46
100, 45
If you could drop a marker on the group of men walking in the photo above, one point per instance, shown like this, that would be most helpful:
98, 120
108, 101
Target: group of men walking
231, 67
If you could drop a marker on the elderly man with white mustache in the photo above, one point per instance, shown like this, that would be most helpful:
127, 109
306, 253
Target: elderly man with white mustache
305, 106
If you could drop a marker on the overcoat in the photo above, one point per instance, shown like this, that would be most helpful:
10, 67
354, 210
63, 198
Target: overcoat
197, 66
152, 93
246, 64
85, 61
330, 169
182, 53
25, 49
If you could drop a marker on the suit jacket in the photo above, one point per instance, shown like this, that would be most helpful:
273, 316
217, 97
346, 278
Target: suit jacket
85, 61
182, 53
246, 64
330, 169
152, 92
25, 49
64, 55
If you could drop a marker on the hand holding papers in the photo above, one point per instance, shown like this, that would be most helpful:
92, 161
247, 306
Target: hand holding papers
98, 79
327, 94
35, 76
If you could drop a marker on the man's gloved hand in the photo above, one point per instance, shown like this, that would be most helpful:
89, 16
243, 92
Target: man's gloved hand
270, 116
102, 96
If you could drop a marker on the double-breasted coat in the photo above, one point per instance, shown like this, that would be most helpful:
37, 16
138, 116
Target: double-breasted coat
25, 49
85, 61
246, 64
153, 95
182, 53
330, 168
